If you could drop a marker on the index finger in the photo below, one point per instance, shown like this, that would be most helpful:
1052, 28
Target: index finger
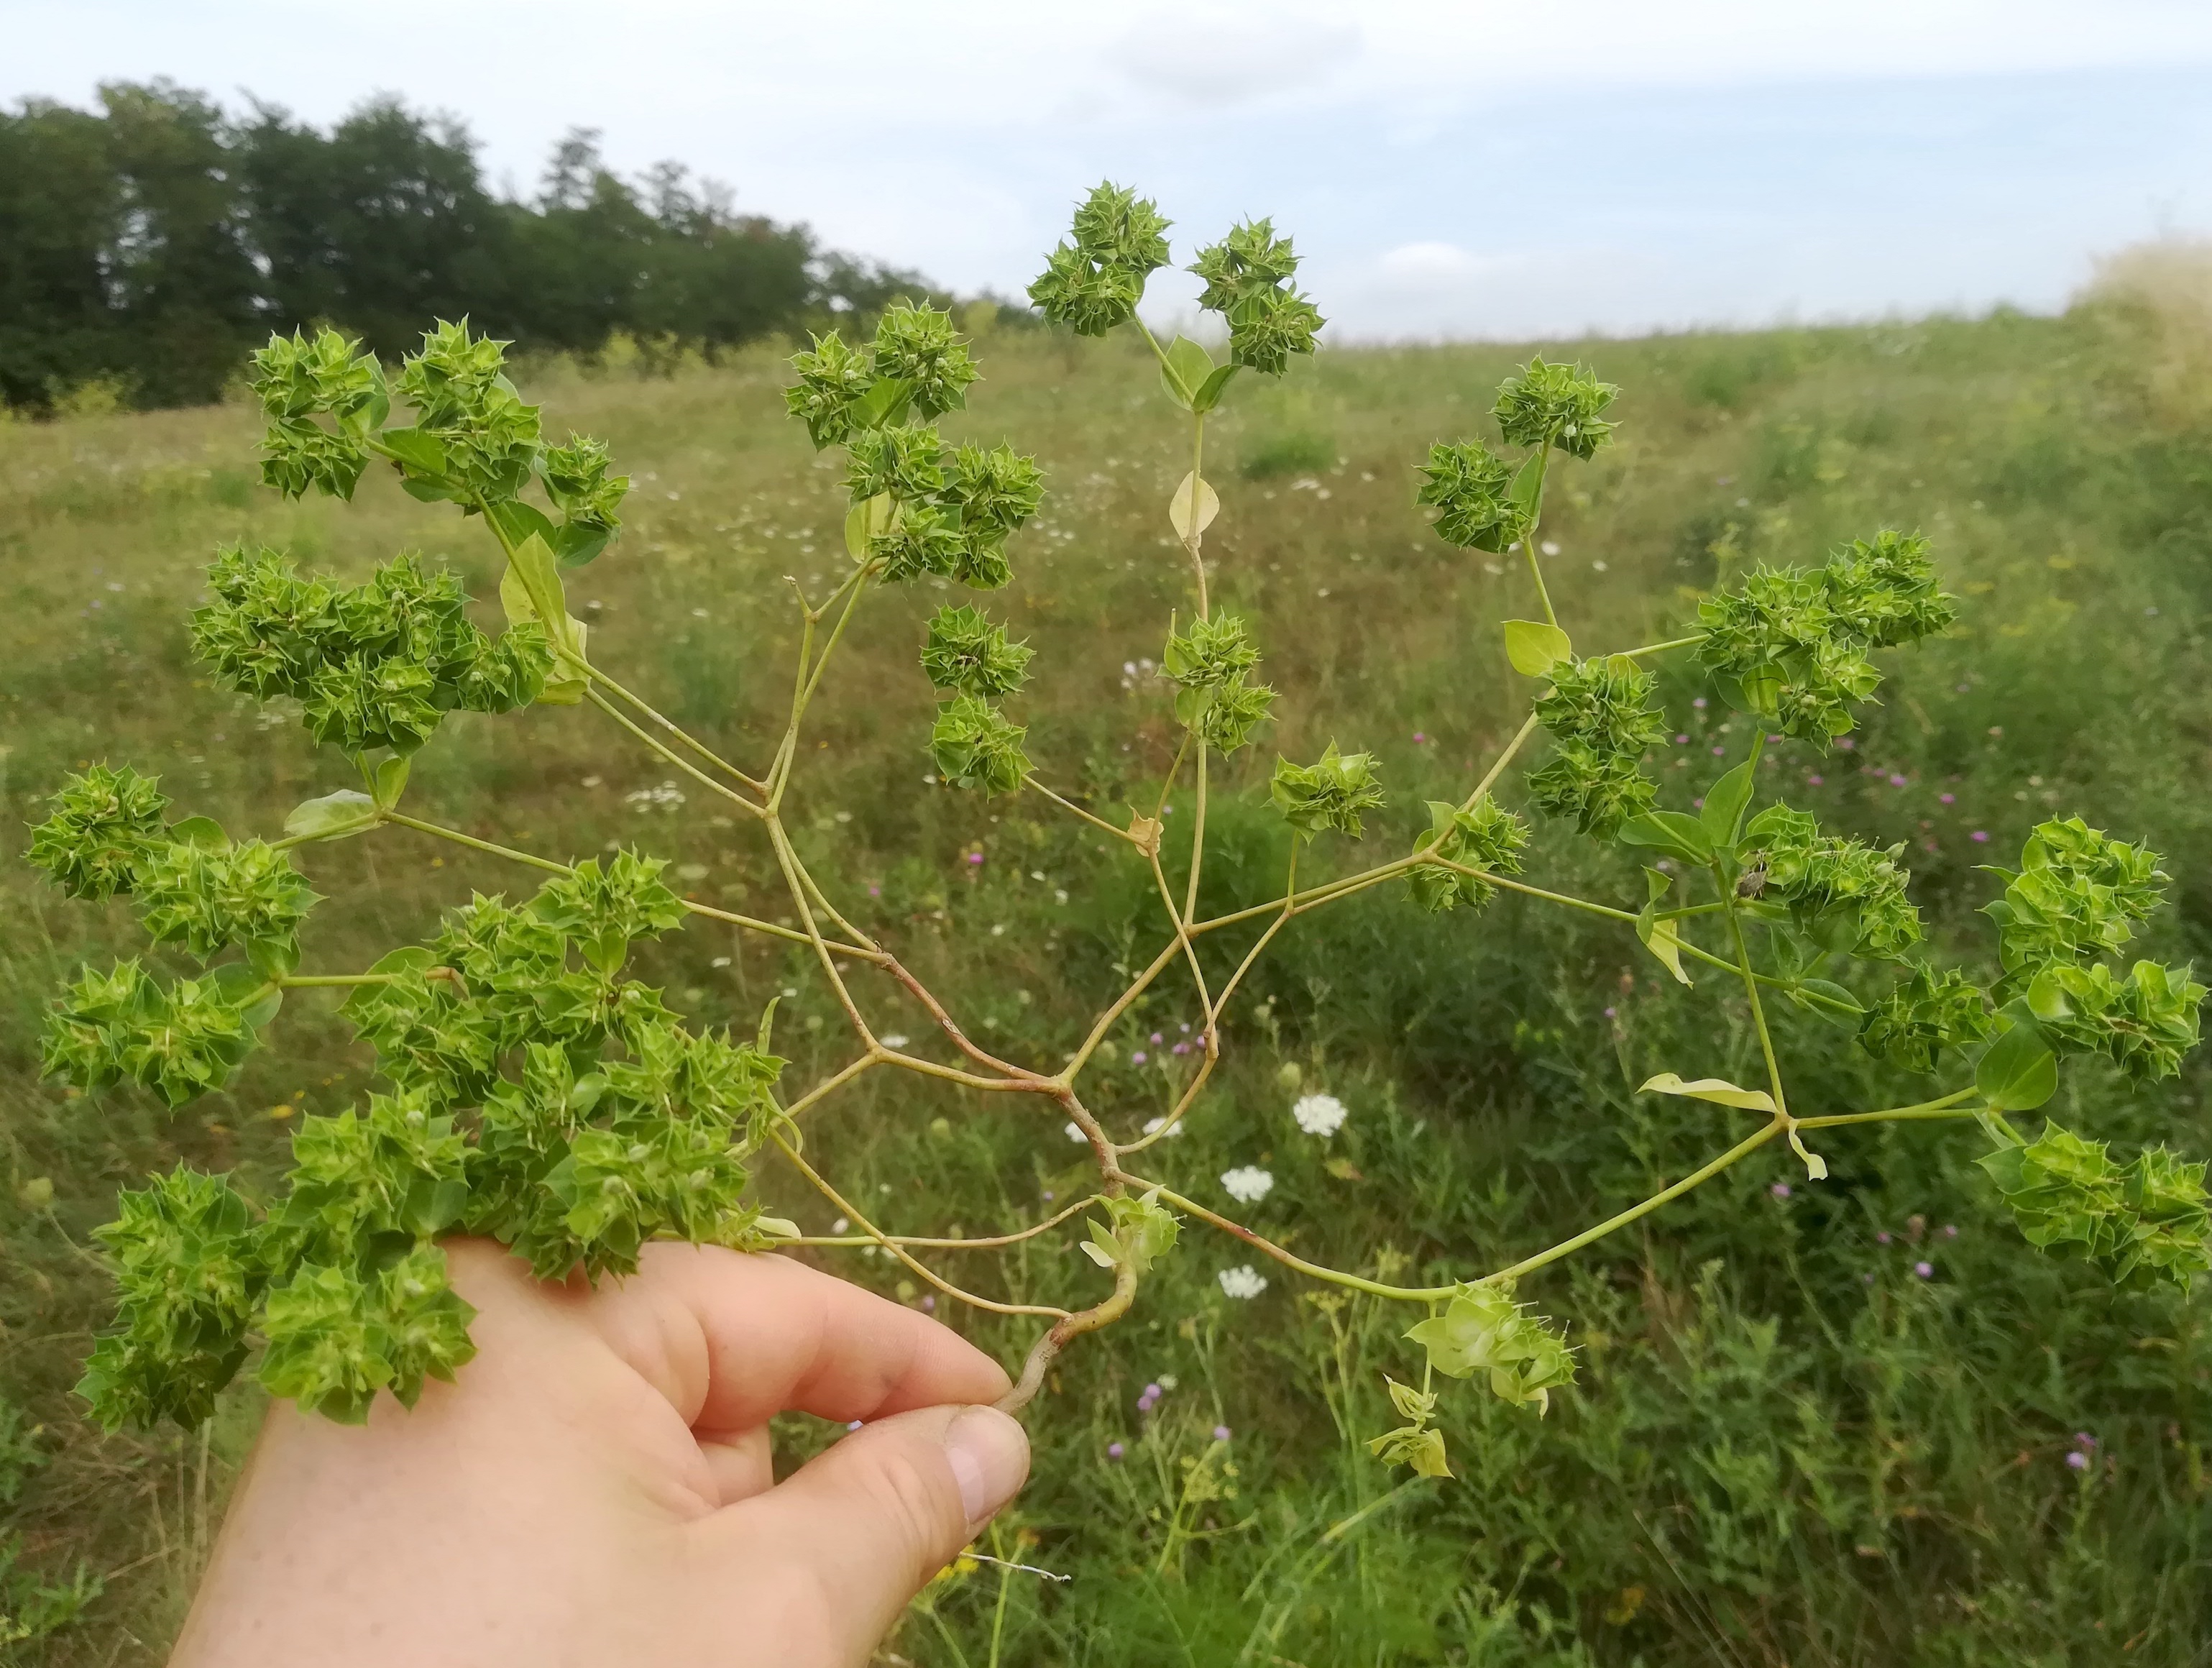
739, 1337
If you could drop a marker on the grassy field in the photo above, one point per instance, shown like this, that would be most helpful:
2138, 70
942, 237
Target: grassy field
1786, 1445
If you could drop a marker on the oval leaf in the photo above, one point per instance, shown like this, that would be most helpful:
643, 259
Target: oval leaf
1670, 831
2018, 1072
332, 816
1534, 648
1725, 802
1719, 1090
1179, 508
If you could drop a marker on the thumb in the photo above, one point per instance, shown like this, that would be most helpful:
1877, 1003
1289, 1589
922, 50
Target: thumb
872, 1519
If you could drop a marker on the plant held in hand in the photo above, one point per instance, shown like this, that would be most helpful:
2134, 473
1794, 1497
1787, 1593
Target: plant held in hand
539, 1095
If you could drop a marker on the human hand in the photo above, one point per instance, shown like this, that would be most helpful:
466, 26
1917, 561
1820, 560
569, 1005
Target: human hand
597, 1487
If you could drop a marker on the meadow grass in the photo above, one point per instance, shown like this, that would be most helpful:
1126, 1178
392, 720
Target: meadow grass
1785, 1446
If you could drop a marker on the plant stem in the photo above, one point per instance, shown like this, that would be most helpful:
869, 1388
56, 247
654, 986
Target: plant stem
1069, 805
1948, 1106
1750, 1144
990, 1244
671, 756
846, 1209
474, 843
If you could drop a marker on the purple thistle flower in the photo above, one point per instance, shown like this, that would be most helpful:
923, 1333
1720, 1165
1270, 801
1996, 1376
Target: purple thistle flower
1138, 1058
1780, 1190
1950, 1230
973, 858
2078, 1460
1896, 781
1980, 837
1947, 799
1882, 1239
1157, 1037
1699, 704
1221, 1433
1925, 1270
1115, 1451
1848, 745
2084, 1441
1816, 779
929, 1303
1718, 751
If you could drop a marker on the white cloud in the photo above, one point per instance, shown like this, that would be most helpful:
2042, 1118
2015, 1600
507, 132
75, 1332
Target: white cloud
1215, 57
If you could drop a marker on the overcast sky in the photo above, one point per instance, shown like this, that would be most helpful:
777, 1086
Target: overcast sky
1471, 169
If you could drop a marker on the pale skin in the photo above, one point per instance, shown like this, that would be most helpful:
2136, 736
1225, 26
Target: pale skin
597, 1485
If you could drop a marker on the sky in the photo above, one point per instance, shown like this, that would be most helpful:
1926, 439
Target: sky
1467, 169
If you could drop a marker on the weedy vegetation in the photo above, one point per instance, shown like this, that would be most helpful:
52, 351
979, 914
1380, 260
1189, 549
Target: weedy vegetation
1085, 948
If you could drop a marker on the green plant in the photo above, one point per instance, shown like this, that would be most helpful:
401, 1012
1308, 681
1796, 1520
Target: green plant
540, 1095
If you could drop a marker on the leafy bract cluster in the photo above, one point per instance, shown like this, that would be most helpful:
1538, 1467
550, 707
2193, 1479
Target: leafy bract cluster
1093, 281
474, 443
1212, 665
1927, 1013
1470, 487
1331, 793
1602, 719
2143, 1221
1792, 645
101, 826
1555, 404
537, 1096
374, 666
1247, 282
1482, 1329
1484, 836
1842, 892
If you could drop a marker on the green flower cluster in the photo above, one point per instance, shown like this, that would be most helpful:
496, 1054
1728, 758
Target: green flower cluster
1842, 894
180, 1041
189, 1273
1912, 1025
1330, 792
618, 1126
969, 654
916, 364
1561, 405
1094, 282
323, 399
1212, 665
576, 480
1417, 1444
103, 825
1603, 716
1247, 281
976, 745
1792, 644
1470, 488
1137, 1231
484, 438
1482, 1329
374, 665
2143, 1021
2079, 894
950, 514
2143, 1221
1488, 837
207, 895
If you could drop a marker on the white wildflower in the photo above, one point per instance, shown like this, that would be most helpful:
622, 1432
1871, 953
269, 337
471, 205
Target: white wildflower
1242, 1281
1248, 1184
894, 1039
1074, 1133
1319, 1114
1153, 1126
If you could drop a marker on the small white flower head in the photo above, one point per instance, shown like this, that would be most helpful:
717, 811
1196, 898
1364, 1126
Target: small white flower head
1319, 1114
1154, 1125
1074, 1133
893, 1039
1248, 1184
1242, 1282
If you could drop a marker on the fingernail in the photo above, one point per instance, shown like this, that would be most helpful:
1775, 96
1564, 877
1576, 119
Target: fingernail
989, 1453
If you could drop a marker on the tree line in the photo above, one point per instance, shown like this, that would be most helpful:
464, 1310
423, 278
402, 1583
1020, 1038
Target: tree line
158, 240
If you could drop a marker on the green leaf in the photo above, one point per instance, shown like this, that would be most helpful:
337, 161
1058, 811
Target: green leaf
1719, 1090
1528, 481
274, 959
1660, 937
242, 986
1210, 390
1187, 368
205, 831
1725, 802
1534, 648
332, 816
1179, 506
1673, 832
518, 522
884, 403
867, 521
418, 451
576, 543
1841, 1007
2018, 1072
531, 590
391, 782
